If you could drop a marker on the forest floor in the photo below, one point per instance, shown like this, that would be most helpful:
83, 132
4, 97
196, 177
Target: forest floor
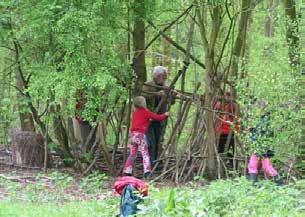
64, 193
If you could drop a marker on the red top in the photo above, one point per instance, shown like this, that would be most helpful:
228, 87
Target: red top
121, 182
224, 120
141, 117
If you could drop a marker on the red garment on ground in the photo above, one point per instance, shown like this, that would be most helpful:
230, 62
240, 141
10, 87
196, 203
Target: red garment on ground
141, 117
223, 125
138, 184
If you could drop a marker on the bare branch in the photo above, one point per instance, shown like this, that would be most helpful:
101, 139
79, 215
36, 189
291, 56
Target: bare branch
176, 45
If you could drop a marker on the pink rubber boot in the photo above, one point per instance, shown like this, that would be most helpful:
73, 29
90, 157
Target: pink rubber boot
253, 164
253, 167
269, 170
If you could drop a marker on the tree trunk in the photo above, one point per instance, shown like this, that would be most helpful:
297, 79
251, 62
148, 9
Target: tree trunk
139, 65
292, 31
28, 149
301, 154
209, 118
241, 36
25, 117
167, 56
209, 46
61, 136
270, 18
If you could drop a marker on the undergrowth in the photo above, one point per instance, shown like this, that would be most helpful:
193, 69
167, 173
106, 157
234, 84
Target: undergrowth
60, 195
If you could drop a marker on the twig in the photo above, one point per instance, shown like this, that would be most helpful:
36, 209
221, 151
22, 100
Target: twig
91, 165
20, 166
163, 174
176, 45
185, 12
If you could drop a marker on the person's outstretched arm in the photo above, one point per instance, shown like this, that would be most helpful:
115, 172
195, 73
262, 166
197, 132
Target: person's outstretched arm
157, 117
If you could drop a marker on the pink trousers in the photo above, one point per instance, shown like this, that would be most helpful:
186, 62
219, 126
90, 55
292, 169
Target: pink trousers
138, 142
253, 166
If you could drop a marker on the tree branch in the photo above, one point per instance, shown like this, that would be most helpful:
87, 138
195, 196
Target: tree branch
165, 29
176, 45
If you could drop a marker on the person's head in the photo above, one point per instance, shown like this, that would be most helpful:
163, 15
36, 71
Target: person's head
140, 102
160, 74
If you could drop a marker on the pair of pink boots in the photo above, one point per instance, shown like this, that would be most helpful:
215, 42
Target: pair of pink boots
266, 165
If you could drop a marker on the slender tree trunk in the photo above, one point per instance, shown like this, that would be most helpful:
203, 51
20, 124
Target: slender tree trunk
167, 58
25, 117
292, 32
301, 154
270, 17
209, 119
139, 65
241, 36
61, 135
209, 46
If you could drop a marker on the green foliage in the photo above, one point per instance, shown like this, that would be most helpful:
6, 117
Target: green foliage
93, 182
170, 202
270, 81
232, 198
74, 209
61, 180
69, 47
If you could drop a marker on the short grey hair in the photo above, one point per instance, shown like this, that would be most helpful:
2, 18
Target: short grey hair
159, 70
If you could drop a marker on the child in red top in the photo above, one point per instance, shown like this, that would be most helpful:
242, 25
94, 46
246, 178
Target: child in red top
140, 123
226, 119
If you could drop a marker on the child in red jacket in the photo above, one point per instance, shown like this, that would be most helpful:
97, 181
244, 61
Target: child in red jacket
140, 122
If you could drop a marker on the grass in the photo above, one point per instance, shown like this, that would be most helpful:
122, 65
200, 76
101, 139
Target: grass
62, 196
70, 209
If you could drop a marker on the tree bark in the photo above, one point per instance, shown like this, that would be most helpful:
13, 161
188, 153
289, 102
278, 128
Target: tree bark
28, 149
241, 36
167, 56
25, 117
61, 136
209, 119
139, 64
270, 18
209, 46
301, 84
292, 32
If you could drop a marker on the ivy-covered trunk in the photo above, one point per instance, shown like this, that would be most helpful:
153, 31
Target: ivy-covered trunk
25, 117
293, 41
292, 32
139, 64
301, 154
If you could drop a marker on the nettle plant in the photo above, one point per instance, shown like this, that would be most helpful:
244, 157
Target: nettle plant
226, 198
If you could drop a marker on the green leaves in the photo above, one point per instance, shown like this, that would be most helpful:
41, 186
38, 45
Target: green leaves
226, 198
170, 202
67, 46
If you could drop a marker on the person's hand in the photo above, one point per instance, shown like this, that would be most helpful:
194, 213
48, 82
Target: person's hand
166, 113
174, 93
161, 93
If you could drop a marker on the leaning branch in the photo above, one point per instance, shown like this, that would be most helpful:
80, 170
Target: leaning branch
185, 12
175, 44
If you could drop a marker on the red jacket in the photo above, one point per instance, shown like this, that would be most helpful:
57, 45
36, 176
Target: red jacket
121, 182
223, 125
141, 117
